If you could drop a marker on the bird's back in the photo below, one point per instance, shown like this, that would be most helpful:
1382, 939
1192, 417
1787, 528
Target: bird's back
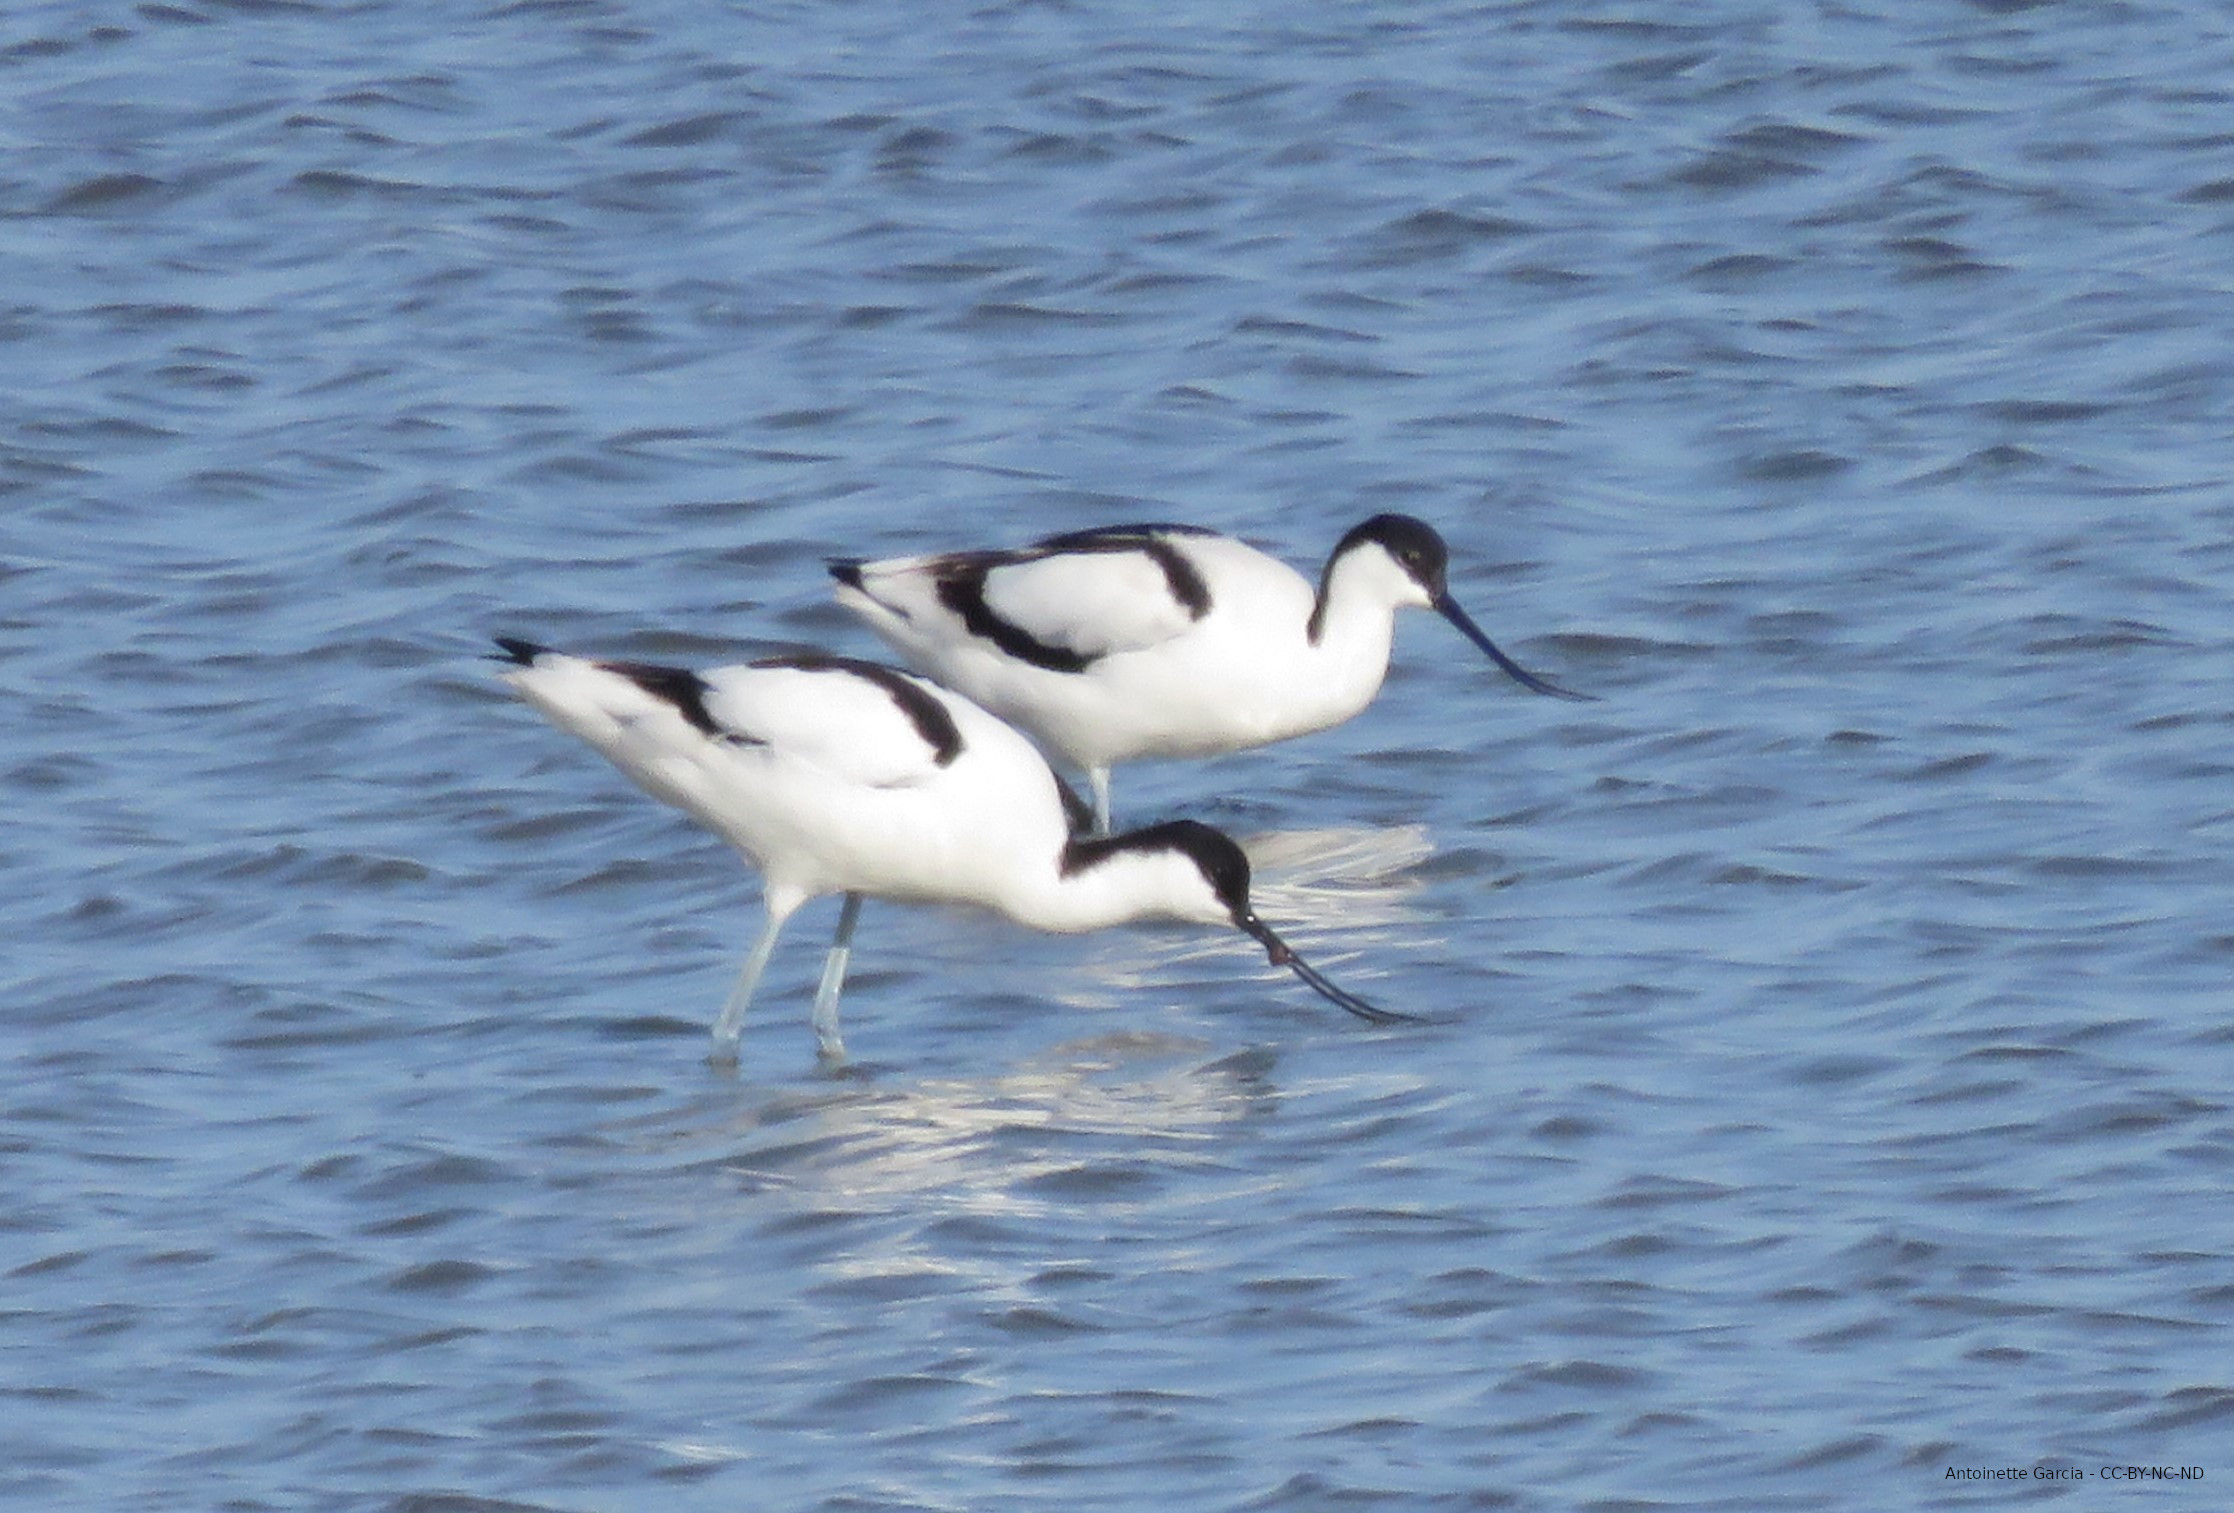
831, 775
1109, 645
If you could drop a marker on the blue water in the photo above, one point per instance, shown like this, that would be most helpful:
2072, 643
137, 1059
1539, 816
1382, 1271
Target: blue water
1834, 1080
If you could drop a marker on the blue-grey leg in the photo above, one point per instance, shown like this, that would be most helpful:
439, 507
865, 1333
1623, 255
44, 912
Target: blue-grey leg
731, 1024
834, 979
1098, 777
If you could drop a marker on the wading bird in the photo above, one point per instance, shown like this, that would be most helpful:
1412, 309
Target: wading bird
1137, 641
838, 776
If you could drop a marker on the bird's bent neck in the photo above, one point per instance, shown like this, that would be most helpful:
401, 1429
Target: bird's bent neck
1106, 881
1359, 593
1349, 634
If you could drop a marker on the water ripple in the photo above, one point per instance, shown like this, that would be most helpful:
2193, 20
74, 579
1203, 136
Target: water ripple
1828, 1082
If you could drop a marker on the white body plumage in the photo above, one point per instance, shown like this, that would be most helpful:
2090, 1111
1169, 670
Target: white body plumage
837, 776
1140, 641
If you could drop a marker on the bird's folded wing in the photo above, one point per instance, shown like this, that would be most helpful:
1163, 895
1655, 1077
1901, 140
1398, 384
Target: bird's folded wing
1089, 603
859, 722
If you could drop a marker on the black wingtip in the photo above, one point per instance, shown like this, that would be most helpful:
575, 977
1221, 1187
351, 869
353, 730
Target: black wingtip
846, 570
516, 650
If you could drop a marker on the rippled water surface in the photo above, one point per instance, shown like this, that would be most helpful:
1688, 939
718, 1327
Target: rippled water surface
1832, 1082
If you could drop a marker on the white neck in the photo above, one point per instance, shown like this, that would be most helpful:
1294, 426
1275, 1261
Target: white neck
1113, 887
1363, 589
1354, 627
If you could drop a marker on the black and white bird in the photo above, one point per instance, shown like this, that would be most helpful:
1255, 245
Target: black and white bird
838, 776
1137, 641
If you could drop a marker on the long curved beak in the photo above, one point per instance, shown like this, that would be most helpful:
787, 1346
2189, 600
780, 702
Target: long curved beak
1281, 955
1448, 608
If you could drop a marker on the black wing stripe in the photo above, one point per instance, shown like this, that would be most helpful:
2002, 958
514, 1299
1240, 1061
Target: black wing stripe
932, 720
961, 588
678, 686
1101, 537
961, 585
1187, 585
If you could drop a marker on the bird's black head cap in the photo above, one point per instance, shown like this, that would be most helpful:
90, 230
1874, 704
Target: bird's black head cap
1223, 863
1416, 546
1215, 854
